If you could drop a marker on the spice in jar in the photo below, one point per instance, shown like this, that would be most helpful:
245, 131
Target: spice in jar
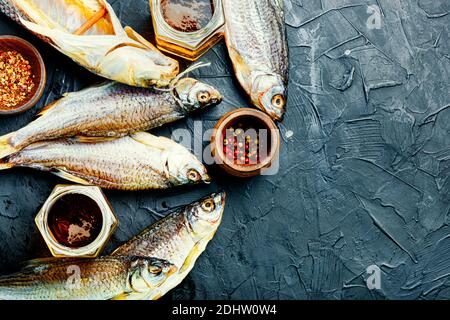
75, 220
16, 79
187, 15
242, 145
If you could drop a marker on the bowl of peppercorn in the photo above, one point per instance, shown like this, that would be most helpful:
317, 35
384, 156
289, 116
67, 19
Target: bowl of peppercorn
22, 75
246, 143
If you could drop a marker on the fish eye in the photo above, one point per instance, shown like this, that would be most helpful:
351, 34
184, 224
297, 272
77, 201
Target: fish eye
193, 175
155, 270
208, 205
203, 96
278, 101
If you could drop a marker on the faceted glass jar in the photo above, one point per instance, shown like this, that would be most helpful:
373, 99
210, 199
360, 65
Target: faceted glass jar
94, 248
188, 45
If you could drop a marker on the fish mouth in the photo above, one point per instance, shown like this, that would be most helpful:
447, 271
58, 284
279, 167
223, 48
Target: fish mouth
275, 116
206, 178
223, 196
219, 200
216, 99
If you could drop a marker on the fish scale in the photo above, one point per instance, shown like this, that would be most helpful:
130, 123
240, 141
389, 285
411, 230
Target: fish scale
250, 25
8, 9
166, 238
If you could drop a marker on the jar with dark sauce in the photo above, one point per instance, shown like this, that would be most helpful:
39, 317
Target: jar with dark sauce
187, 15
75, 220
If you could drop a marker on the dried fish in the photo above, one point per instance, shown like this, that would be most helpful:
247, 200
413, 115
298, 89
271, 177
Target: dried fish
137, 162
89, 32
112, 110
86, 279
255, 35
180, 238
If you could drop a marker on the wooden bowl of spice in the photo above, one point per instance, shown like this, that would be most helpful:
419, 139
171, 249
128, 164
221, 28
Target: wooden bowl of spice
246, 143
22, 75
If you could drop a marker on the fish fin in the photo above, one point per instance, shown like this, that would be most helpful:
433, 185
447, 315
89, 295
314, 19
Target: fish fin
125, 44
36, 28
117, 25
193, 255
131, 33
85, 139
39, 261
80, 48
132, 296
122, 296
68, 176
156, 297
196, 252
45, 109
40, 144
6, 148
234, 54
241, 68
151, 140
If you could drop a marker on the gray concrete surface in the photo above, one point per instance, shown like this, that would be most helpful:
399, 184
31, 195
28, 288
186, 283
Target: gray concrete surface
364, 164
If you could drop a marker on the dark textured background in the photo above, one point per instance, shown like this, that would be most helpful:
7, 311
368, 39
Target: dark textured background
364, 163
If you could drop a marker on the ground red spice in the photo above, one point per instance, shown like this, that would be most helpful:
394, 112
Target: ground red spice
16, 79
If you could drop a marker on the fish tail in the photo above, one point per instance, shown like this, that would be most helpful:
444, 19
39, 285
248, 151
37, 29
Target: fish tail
41, 30
6, 148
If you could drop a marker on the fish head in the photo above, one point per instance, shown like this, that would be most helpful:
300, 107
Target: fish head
150, 273
269, 93
205, 215
184, 168
195, 95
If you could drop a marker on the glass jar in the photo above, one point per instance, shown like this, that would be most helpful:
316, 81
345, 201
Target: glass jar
186, 35
106, 218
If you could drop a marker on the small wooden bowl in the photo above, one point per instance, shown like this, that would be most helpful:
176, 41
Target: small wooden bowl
29, 52
258, 119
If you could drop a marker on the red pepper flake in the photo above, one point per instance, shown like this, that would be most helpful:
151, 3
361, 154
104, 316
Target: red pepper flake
16, 79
